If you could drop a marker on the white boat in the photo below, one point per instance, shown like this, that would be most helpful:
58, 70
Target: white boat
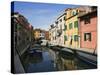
44, 42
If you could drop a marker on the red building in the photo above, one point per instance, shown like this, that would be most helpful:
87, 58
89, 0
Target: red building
88, 29
47, 35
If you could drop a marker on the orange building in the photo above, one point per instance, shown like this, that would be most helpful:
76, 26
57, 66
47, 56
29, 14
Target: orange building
88, 29
37, 34
47, 35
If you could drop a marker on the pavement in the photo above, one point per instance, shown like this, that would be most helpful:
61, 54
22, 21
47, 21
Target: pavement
91, 51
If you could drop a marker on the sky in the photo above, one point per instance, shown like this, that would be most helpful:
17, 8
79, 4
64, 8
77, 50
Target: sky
40, 15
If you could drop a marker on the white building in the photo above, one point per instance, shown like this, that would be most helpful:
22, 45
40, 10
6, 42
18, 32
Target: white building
60, 25
56, 31
42, 35
52, 34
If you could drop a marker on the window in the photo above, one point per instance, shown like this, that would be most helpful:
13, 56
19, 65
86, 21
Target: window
64, 42
87, 36
64, 18
56, 22
65, 27
87, 20
76, 24
60, 20
18, 26
65, 38
61, 26
74, 12
75, 37
77, 11
70, 26
53, 38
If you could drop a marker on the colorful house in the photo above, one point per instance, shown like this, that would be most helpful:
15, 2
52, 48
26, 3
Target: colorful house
72, 38
22, 32
37, 34
88, 29
46, 35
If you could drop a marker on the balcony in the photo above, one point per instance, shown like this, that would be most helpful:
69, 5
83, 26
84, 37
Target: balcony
59, 32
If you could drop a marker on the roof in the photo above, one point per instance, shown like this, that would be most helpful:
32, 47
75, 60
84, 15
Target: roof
61, 15
84, 14
68, 9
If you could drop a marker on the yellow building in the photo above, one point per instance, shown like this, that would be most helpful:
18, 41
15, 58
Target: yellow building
37, 34
72, 38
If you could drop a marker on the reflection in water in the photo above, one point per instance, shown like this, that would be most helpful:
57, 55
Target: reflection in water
50, 60
36, 57
29, 59
38, 62
66, 61
69, 61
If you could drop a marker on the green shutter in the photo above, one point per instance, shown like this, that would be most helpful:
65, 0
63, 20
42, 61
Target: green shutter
64, 18
84, 36
70, 26
65, 27
76, 24
75, 37
18, 26
65, 38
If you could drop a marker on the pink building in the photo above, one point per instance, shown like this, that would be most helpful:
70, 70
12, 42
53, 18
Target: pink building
88, 30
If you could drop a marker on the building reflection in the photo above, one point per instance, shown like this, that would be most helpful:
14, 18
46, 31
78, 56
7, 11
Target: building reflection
52, 60
65, 61
33, 58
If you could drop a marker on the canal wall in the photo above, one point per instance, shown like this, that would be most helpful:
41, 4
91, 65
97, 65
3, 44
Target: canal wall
26, 48
91, 51
18, 67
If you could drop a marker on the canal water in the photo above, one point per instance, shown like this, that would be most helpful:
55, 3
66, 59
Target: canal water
47, 60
